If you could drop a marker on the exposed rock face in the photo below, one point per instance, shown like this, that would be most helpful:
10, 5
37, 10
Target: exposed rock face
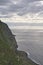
8, 49
6, 35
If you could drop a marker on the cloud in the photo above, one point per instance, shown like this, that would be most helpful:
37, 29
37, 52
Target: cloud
20, 7
32, 6
26, 6
4, 2
41, 14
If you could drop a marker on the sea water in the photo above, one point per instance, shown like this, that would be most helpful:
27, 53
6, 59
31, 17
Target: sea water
30, 41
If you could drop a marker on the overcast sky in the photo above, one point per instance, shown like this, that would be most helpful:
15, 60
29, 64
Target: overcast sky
21, 10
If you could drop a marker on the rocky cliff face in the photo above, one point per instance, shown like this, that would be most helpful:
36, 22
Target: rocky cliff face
6, 35
8, 49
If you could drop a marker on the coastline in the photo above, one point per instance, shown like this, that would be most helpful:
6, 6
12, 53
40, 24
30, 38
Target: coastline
30, 54
32, 59
8, 45
27, 55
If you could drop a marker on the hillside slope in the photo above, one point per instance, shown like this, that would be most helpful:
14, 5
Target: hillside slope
8, 49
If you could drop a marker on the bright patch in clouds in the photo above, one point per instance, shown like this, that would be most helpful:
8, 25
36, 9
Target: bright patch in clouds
41, 2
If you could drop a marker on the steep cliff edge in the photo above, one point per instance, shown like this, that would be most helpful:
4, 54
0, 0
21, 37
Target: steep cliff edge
8, 49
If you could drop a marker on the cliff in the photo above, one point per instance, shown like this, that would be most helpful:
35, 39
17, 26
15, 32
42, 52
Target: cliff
8, 49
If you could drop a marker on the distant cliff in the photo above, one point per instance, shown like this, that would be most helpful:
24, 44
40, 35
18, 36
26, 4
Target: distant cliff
8, 49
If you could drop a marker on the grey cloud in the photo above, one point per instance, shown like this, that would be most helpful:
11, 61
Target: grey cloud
21, 8
4, 2
26, 6
41, 14
31, 7
3, 11
5, 16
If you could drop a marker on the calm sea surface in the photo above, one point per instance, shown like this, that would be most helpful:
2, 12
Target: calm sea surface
30, 41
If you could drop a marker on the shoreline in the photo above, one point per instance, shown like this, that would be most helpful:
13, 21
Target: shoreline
29, 53
32, 59
8, 46
28, 56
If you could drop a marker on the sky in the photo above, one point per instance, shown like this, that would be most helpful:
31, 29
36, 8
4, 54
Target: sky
30, 11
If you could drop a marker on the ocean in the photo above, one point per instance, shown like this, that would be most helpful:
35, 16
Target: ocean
30, 41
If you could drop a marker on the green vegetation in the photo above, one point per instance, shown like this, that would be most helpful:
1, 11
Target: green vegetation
8, 49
